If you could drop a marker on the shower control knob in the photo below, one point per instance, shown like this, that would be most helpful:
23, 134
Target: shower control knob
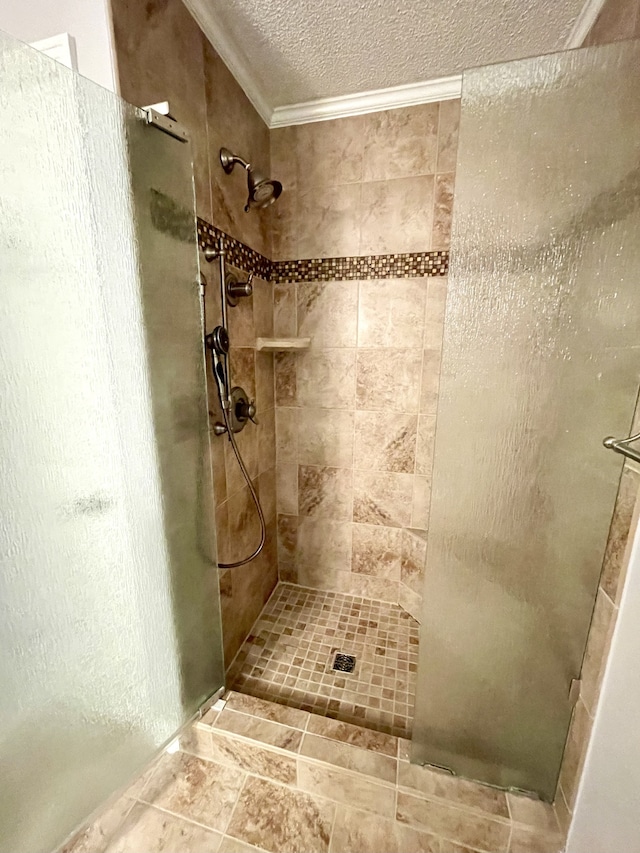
247, 410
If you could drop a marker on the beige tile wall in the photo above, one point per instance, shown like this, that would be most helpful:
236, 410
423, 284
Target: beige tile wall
162, 55
355, 414
354, 433
366, 185
244, 590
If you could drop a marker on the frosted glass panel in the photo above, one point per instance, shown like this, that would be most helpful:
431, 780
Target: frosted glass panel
540, 362
109, 615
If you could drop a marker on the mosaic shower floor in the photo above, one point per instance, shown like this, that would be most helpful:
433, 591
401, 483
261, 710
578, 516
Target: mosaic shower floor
289, 658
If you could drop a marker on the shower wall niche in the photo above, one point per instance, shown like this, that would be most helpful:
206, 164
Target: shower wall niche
369, 199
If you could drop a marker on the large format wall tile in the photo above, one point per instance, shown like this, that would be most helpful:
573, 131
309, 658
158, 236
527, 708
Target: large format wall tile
442, 210
233, 123
328, 312
326, 378
385, 441
329, 153
287, 487
287, 434
401, 143
434, 317
285, 310
397, 215
382, 498
285, 379
324, 545
448, 135
425, 444
391, 314
325, 492
325, 437
332, 226
377, 551
389, 379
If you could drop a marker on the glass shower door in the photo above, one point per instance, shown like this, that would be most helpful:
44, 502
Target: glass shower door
541, 360
109, 613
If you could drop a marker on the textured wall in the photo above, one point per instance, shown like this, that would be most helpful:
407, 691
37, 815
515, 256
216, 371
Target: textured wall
355, 414
306, 50
162, 55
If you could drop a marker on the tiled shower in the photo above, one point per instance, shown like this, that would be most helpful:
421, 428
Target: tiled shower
358, 339
355, 412
354, 256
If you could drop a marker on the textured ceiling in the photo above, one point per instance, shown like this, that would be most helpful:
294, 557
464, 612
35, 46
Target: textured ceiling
301, 50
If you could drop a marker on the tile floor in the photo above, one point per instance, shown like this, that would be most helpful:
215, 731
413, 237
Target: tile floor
288, 658
255, 776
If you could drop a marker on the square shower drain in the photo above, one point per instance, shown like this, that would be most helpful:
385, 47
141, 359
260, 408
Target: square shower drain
344, 663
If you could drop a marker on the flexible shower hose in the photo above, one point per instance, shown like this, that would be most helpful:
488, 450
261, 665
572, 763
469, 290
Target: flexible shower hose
245, 474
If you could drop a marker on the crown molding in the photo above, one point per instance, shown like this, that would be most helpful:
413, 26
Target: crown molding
583, 23
342, 106
205, 17
324, 109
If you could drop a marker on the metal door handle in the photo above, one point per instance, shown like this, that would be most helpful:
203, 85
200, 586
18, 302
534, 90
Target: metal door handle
621, 445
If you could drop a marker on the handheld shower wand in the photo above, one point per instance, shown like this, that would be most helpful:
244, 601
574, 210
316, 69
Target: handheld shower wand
236, 408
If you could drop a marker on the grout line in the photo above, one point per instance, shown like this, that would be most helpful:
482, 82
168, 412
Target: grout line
264, 607
235, 804
262, 720
564, 799
226, 837
184, 817
333, 826
608, 597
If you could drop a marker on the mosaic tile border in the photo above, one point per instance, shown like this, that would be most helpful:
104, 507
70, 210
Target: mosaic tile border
238, 254
409, 265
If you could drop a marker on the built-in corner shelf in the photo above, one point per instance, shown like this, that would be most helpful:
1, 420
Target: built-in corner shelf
282, 344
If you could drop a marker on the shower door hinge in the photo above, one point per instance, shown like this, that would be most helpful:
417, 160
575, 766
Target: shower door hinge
574, 690
210, 702
158, 116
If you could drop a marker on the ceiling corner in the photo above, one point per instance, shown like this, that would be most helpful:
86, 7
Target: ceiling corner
231, 56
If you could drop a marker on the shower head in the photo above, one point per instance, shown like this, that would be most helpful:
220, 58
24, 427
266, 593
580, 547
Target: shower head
262, 191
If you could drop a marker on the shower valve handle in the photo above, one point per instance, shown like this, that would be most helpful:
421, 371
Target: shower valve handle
247, 411
251, 412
